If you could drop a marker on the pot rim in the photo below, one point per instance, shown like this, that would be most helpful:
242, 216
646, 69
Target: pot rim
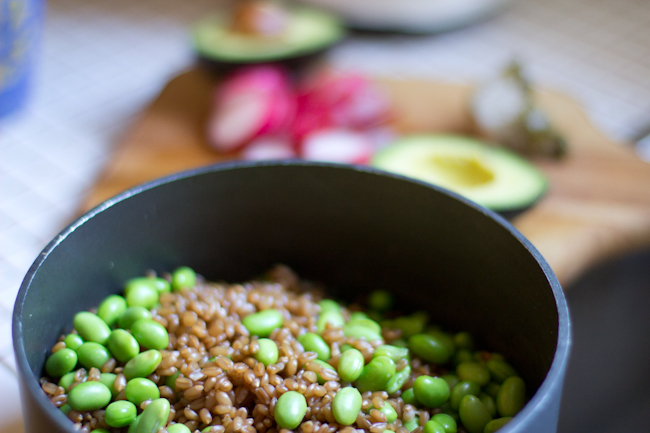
539, 401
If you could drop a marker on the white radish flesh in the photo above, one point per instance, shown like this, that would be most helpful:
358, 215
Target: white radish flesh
265, 148
337, 145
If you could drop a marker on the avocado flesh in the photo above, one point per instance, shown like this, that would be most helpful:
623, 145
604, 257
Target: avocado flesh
492, 177
308, 31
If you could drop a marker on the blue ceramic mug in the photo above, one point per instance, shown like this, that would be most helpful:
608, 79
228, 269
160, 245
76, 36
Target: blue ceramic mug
20, 28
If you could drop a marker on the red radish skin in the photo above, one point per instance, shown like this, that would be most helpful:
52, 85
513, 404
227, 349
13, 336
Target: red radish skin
337, 145
264, 148
343, 100
249, 103
262, 79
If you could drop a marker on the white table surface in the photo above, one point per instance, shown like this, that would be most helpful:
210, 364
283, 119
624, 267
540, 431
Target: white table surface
103, 61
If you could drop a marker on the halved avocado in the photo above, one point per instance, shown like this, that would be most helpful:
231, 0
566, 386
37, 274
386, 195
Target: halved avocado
490, 176
308, 31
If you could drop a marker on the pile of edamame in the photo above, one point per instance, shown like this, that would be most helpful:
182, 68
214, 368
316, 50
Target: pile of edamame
179, 355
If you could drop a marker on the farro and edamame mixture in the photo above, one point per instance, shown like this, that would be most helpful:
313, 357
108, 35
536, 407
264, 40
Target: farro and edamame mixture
177, 354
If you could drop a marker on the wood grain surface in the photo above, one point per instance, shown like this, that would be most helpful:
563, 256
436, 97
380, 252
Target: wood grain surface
598, 205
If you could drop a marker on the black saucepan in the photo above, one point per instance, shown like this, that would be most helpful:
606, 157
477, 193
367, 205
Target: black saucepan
353, 228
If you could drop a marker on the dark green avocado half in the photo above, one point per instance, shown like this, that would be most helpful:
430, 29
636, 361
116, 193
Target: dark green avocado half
309, 31
493, 177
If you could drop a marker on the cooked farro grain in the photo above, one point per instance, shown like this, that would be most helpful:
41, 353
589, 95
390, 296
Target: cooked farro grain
210, 374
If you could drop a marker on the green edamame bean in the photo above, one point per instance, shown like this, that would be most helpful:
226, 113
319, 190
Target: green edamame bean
350, 365
73, 341
346, 405
171, 380
446, 339
473, 371
358, 315
108, 379
466, 387
133, 428
111, 309
182, 428
131, 315
463, 355
464, 340
61, 362
496, 357
91, 327
409, 397
143, 364
150, 334
393, 352
366, 328
380, 300
500, 370
101, 430
160, 284
431, 391
489, 403
328, 304
412, 424
154, 416
388, 410
410, 325
315, 343
268, 352
93, 354
376, 374
65, 408
263, 323
120, 413
142, 296
511, 397
183, 278
398, 380
473, 414
429, 348
432, 426
361, 332
333, 317
451, 379
496, 424
141, 389
492, 389
123, 345
446, 421
290, 410
89, 396
67, 380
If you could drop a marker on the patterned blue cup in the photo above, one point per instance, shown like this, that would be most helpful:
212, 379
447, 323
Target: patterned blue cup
21, 24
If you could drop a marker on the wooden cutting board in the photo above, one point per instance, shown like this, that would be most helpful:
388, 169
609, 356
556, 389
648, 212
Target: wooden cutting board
598, 205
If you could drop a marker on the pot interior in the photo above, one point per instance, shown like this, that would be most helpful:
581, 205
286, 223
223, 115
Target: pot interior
354, 230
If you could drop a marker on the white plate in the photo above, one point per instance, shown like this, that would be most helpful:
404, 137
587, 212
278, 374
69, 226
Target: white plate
411, 15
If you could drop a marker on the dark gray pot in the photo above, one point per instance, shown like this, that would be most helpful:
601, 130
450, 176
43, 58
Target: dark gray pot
355, 229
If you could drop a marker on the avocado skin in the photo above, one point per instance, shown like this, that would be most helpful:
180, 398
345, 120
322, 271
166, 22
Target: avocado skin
292, 63
212, 54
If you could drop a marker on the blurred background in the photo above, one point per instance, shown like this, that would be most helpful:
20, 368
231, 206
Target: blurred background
97, 65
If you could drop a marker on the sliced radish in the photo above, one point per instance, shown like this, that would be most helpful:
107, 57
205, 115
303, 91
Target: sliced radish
249, 103
264, 148
345, 99
260, 79
337, 145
